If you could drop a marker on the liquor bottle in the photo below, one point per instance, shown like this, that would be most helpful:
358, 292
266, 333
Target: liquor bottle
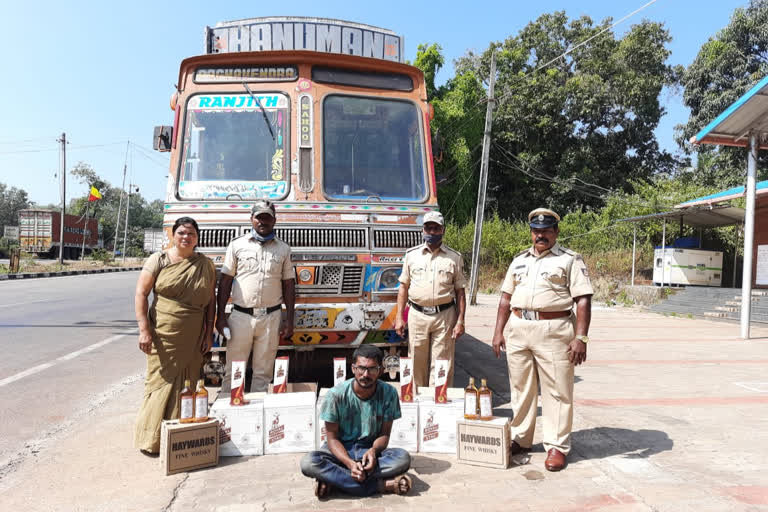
484, 397
201, 402
187, 403
470, 401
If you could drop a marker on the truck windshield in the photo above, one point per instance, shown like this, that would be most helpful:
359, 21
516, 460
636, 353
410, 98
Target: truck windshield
372, 148
228, 149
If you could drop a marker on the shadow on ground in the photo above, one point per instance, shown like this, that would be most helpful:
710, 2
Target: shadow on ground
475, 358
602, 442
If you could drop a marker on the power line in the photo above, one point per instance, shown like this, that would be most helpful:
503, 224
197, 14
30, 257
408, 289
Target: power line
458, 192
502, 97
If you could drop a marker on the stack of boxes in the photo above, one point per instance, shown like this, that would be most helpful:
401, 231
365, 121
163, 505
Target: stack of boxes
289, 422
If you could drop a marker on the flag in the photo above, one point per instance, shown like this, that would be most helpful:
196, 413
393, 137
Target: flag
95, 194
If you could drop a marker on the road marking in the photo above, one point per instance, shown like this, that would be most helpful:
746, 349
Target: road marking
39, 368
759, 387
688, 401
24, 303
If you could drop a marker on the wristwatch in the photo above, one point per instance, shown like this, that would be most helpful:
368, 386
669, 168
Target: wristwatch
583, 338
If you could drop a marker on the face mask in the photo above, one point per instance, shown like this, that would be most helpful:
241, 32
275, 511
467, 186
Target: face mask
263, 239
432, 239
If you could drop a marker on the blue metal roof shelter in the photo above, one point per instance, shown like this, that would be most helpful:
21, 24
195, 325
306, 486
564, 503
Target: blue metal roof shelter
743, 124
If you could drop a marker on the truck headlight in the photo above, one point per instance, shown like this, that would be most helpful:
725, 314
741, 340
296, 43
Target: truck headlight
389, 278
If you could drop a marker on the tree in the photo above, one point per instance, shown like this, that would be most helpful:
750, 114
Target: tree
12, 200
726, 67
459, 132
568, 130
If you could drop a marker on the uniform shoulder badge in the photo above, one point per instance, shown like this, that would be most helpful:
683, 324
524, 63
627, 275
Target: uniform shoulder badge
413, 248
450, 249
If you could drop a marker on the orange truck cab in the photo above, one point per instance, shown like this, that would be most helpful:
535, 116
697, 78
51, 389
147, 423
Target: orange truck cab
323, 118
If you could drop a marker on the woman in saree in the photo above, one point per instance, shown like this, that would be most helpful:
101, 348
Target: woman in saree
176, 331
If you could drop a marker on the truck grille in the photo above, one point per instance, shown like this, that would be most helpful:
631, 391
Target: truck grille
335, 280
352, 280
395, 239
342, 238
216, 237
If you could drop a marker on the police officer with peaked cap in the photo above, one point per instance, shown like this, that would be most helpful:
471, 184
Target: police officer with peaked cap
432, 282
545, 339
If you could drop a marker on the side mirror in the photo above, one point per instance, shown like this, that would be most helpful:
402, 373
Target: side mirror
438, 146
163, 138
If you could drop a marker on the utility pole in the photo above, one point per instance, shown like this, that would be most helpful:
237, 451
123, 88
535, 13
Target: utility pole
120, 207
480, 212
85, 230
127, 211
63, 141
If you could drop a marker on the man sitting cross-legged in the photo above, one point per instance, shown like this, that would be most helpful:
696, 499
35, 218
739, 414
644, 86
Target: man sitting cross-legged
358, 417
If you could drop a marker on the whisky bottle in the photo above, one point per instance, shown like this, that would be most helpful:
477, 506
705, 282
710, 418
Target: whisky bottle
187, 404
470, 401
484, 397
201, 402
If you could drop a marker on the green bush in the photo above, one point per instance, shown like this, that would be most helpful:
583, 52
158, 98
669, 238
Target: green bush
101, 255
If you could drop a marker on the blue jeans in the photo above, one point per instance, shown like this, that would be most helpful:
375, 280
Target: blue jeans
324, 466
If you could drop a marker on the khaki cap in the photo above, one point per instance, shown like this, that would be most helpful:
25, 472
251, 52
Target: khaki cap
263, 206
542, 218
435, 217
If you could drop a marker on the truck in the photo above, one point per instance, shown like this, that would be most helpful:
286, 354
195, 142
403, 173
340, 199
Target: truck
323, 118
40, 233
154, 239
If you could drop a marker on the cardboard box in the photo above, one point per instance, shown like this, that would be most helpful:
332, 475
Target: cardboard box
295, 387
289, 422
405, 431
241, 427
320, 424
188, 446
429, 393
437, 425
483, 443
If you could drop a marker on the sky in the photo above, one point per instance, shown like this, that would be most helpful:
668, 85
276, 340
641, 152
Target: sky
103, 72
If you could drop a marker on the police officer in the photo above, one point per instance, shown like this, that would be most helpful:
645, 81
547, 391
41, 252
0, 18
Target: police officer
545, 339
258, 273
433, 284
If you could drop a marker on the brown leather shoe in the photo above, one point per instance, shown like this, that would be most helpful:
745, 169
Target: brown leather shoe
555, 460
515, 448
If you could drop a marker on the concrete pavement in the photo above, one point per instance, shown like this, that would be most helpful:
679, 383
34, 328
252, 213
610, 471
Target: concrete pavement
671, 415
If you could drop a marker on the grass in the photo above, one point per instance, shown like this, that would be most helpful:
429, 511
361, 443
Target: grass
609, 272
27, 265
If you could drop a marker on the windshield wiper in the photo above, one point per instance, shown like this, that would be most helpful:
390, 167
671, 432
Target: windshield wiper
263, 112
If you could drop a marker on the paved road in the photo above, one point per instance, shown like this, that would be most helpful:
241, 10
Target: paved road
68, 346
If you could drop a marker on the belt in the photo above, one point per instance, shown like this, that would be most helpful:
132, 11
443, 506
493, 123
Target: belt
431, 310
530, 314
256, 311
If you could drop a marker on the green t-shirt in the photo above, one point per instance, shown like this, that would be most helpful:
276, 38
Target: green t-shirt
360, 419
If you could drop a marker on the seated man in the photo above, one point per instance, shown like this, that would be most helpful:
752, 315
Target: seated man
358, 417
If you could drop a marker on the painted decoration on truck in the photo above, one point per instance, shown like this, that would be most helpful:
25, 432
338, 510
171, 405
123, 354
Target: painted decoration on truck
237, 101
303, 33
224, 189
309, 207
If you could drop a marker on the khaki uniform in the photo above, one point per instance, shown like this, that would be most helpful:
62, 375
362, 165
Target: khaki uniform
432, 280
258, 271
537, 350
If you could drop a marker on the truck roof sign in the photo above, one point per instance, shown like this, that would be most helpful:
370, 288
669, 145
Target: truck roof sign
303, 33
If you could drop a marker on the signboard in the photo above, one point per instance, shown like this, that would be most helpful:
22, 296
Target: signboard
246, 74
11, 232
305, 121
237, 101
761, 275
304, 33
